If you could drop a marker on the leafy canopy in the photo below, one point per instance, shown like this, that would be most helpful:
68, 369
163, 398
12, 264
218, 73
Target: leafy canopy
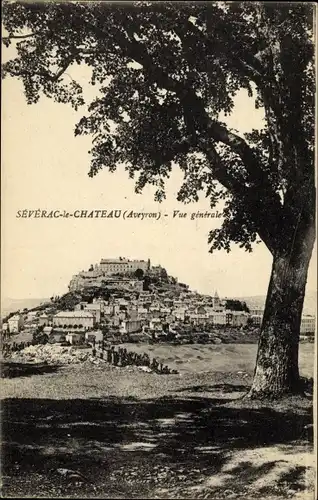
163, 74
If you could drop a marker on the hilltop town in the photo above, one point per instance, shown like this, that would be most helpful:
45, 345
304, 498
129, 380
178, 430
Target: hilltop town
131, 300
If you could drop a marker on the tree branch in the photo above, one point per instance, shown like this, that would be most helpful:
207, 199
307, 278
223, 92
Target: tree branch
251, 67
46, 74
53, 77
208, 130
194, 105
18, 37
259, 213
63, 68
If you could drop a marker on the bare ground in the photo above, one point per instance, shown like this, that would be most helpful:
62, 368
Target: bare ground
96, 431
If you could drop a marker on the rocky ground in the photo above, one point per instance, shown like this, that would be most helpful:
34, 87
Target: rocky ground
74, 426
52, 354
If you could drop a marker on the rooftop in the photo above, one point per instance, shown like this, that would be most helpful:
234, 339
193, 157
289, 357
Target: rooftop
74, 314
120, 260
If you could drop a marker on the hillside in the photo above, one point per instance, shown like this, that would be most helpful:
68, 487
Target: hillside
11, 305
254, 301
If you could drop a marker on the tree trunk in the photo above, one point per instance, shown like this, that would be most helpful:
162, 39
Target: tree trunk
276, 372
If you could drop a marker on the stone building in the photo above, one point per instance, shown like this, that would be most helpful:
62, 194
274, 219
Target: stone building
256, 319
94, 336
155, 325
219, 318
131, 326
15, 323
75, 338
308, 324
68, 319
237, 318
95, 309
44, 320
122, 265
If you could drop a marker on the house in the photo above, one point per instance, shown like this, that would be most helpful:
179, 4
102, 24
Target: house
155, 325
108, 311
48, 330
122, 315
197, 319
123, 302
201, 310
219, 318
75, 338
5, 327
164, 311
256, 319
43, 320
168, 302
71, 319
155, 306
170, 318
95, 309
32, 315
132, 313
142, 312
102, 303
209, 310
80, 306
144, 296
177, 303
179, 313
94, 336
155, 313
131, 326
116, 309
15, 323
256, 311
308, 324
239, 318
114, 321
27, 326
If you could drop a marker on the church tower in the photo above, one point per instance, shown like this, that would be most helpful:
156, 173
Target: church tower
216, 301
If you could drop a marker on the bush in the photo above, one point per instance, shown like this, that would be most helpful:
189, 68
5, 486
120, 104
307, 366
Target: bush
40, 338
139, 274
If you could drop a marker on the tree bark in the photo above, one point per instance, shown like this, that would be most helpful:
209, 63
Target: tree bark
276, 372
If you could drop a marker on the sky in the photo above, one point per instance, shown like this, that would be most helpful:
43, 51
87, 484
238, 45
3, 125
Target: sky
45, 167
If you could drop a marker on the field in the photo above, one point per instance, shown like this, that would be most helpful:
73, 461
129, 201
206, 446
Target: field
97, 431
216, 358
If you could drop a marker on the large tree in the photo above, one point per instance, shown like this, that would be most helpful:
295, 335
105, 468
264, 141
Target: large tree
164, 72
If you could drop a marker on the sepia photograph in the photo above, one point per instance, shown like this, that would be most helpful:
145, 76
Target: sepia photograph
158, 250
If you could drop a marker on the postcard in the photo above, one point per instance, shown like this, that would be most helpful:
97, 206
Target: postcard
158, 306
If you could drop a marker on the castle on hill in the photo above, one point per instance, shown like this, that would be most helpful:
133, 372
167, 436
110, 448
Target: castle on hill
122, 266
108, 269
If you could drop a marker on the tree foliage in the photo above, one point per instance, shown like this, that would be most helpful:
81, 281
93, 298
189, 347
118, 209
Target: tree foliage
236, 305
139, 274
164, 73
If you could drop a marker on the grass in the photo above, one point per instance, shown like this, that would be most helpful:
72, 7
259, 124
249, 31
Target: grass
140, 435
